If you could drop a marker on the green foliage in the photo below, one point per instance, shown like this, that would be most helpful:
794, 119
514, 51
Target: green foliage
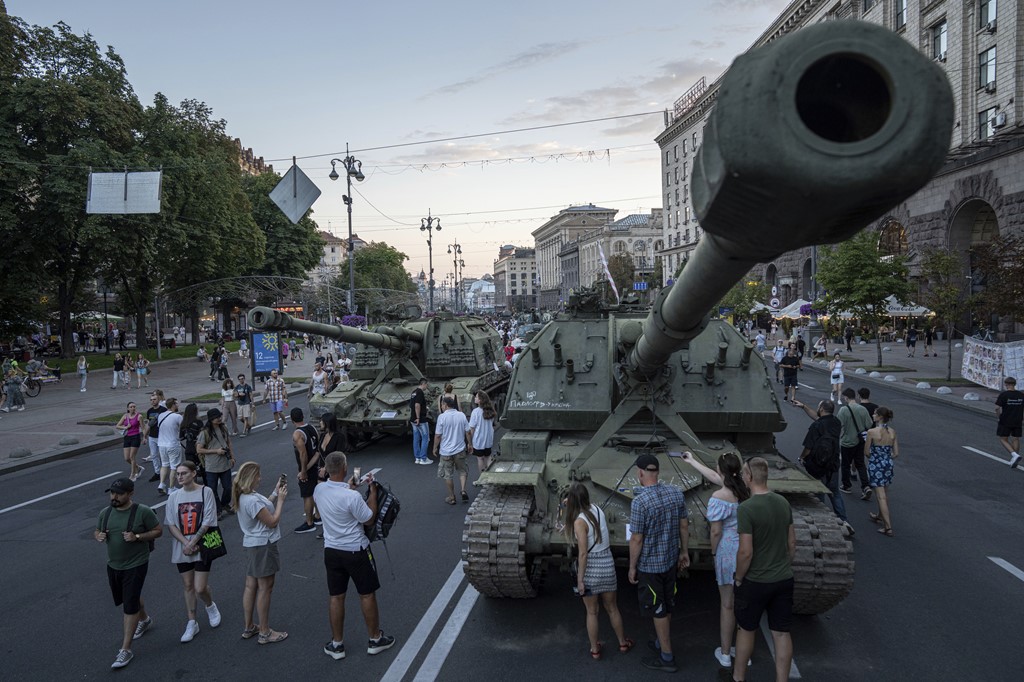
857, 280
377, 266
742, 297
999, 270
291, 250
621, 268
657, 278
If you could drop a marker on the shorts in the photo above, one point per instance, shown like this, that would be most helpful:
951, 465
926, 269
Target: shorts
201, 566
126, 587
132, 441
482, 452
789, 381
359, 566
449, 464
657, 592
306, 487
1008, 431
142, 371
245, 411
262, 561
753, 599
171, 456
277, 406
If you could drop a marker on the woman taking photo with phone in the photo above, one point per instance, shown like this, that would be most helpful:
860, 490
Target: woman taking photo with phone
259, 518
191, 511
585, 525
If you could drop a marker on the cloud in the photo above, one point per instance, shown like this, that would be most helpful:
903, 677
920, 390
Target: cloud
707, 45
420, 134
480, 150
537, 54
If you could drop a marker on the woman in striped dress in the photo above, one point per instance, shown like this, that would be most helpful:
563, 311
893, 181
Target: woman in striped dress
586, 525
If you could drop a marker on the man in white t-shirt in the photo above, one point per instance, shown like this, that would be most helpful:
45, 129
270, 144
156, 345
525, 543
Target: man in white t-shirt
450, 442
347, 554
169, 444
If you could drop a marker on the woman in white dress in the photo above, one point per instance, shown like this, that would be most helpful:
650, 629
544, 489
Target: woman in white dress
837, 376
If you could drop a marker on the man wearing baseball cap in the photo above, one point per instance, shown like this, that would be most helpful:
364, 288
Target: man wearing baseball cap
658, 548
127, 529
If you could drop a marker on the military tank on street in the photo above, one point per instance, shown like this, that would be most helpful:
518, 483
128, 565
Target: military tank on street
389, 361
812, 137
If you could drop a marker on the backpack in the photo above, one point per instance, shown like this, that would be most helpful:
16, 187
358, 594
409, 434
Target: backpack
823, 459
388, 507
130, 526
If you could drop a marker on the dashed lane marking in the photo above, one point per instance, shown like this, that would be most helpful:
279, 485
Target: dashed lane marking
59, 492
1008, 567
991, 457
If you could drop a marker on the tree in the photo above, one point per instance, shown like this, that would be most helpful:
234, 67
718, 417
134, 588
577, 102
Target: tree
858, 281
946, 293
292, 250
999, 270
621, 268
66, 107
742, 297
377, 266
657, 278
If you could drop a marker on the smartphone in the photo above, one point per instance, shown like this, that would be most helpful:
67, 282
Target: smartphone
357, 473
283, 480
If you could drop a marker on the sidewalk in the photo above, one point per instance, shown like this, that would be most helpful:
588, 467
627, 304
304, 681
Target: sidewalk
51, 427
920, 369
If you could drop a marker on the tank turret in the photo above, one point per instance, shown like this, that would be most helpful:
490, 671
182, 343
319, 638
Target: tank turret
812, 137
389, 361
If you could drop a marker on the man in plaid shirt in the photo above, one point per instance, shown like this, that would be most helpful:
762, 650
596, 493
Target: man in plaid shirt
276, 395
658, 548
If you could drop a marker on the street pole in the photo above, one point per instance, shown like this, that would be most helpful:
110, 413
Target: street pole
353, 169
456, 251
428, 225
106, 323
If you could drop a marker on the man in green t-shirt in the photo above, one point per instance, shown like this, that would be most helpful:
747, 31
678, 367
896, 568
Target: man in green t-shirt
127, 558
764, 570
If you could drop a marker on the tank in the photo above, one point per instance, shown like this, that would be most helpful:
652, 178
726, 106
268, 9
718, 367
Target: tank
389, 361
812, 137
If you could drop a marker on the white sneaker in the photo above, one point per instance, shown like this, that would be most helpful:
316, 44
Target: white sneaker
140, 629
191, 630
214, 614
124, 657
1014, 460
724, 660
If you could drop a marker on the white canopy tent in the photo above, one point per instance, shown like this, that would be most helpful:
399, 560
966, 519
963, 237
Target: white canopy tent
792, 311
893, 308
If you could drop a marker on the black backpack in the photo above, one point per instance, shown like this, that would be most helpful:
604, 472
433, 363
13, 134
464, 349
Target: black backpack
823, 459
131, 523
388, 507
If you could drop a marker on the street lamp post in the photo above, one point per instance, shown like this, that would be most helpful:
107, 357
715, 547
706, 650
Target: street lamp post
456, 251
353, 169
428, 225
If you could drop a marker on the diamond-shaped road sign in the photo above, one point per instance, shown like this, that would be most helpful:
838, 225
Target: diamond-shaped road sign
295, 194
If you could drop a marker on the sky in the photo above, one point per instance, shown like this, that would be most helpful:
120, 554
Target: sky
395, 80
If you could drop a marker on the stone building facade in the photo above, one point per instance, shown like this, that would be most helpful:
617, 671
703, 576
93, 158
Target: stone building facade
979, 192
549, 238
515, 279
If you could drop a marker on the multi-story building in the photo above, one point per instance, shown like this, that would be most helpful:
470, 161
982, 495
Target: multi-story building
249, 162
979, 192
569, 264
515, 279
566, 225
638, 235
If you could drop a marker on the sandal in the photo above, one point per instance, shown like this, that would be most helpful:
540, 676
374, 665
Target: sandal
249, 633
465, 497
596, 655
874, 517
626, 646
449, 500
887, 532
272, 637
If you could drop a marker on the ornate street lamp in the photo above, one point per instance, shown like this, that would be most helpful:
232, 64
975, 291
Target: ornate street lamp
428, 225
353, 169
456, 251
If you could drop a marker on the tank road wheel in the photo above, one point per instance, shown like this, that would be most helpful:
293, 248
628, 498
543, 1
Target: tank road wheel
494, 543
823, 565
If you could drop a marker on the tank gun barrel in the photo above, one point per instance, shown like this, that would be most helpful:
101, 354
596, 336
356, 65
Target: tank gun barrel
813, 136
268, 319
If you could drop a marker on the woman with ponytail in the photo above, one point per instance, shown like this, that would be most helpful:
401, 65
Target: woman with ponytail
725, 540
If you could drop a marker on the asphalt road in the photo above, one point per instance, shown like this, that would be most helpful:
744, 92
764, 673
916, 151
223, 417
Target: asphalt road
928, 604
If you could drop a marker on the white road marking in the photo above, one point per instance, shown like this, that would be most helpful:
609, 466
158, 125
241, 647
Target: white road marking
1008, 567
991, 457
431, 667
808, 386
412, 647
59, 492
794, 672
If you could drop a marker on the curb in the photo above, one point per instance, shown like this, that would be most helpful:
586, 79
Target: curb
983, 407
56, 454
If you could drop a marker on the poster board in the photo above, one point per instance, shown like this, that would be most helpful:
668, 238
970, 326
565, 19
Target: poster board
987, 363
266, 354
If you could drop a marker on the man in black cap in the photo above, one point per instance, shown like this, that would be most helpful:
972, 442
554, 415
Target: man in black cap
658, 548
127, 529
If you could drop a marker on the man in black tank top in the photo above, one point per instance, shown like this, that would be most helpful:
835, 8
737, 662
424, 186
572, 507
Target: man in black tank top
306, 443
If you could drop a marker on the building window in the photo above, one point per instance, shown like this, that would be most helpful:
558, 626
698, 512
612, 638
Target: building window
868, 4
892, 240
901, 14
686, 210
686, 192
986, 123
987, 67
686, 236
677, 218
686, 170
677, 174
684, 147
332, 249
695, 143
939, 41
668, 159
986, 12
677, 197
675, 152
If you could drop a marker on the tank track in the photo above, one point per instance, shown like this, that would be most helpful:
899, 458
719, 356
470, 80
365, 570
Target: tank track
823, 565
494, 543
